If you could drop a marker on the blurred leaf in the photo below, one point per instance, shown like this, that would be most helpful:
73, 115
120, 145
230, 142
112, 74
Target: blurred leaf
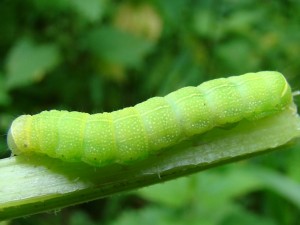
53, 5
5, 120
280, 184
4, 151
79, 218
241, 216
242, 50
116, 46
147, 216
205, 23
175, 193
293, 167
141, 20
173, 13
4, 222
56, 5
243, 21
112, 71
8, 24
28, 62
4, 97
237, 180
204, 187
92, 10
96, 91
225, 215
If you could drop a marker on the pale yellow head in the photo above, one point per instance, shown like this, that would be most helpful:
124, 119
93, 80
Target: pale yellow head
18, 136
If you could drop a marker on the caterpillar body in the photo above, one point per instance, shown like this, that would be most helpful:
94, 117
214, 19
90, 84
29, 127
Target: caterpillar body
147, 128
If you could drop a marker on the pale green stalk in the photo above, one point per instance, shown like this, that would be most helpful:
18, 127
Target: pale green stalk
30, 185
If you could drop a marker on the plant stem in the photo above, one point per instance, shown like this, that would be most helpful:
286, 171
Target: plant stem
34, 184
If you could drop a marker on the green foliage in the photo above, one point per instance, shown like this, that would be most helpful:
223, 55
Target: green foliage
104, 55
115, 46
28, 63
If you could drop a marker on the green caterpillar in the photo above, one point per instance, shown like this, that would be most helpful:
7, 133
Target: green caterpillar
147, 128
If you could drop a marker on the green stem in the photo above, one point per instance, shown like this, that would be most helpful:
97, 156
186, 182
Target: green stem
34, 184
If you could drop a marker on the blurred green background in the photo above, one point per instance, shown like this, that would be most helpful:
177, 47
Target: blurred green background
100, 55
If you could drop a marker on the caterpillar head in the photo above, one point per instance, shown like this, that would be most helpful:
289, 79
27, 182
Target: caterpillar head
285, 92
17, 137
